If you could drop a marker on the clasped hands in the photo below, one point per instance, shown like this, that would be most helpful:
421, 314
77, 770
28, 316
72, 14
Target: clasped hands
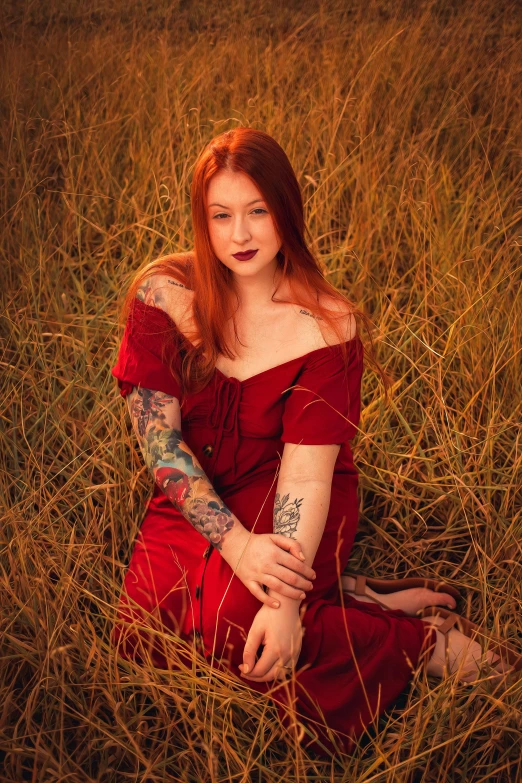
278, 562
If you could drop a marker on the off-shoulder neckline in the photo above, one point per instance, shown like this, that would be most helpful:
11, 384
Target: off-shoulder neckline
164, 313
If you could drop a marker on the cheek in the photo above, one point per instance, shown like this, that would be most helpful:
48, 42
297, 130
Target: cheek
271, 229
216, 232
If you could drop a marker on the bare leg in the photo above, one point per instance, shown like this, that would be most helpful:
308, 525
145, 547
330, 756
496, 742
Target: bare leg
410, 601
464, 654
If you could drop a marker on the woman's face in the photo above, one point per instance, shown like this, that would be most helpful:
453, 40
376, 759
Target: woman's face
238, 220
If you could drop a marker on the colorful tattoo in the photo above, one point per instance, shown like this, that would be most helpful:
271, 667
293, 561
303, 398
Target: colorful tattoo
176, 470
154, 294
286, 515
146, 406
146, 292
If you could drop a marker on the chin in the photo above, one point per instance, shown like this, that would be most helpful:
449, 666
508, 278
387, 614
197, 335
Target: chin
253, 270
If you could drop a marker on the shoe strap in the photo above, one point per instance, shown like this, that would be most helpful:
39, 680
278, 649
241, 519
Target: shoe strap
448, 623
360, 585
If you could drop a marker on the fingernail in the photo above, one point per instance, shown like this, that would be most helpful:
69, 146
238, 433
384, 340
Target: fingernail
301, 556
245, 669
276, 604
303, 595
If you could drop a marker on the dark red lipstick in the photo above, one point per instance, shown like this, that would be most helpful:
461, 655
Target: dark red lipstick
245, 256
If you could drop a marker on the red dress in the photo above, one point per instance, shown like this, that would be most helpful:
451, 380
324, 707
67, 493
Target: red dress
355, 659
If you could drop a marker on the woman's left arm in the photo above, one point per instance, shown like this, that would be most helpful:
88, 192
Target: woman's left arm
302, 497
301, 507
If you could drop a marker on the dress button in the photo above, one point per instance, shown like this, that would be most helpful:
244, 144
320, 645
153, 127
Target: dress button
197, 591
208, 449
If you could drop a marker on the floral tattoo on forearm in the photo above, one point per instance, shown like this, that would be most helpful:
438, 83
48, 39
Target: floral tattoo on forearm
176, 470
286, 515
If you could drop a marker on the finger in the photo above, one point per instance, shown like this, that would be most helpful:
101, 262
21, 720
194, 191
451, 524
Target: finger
290, 577
258, 592
290, 544
276, 672
254, 640
264, 664
281, 587
289, 561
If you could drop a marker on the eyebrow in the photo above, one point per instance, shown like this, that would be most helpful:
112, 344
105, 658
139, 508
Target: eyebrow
248, 205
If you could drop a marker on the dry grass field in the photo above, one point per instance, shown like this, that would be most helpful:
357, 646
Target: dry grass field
403, 121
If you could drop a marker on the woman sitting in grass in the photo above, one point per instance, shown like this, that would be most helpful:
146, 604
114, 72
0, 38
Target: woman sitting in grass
241, 365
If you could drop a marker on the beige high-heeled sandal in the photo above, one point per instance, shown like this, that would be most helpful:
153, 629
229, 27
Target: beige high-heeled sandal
473, 631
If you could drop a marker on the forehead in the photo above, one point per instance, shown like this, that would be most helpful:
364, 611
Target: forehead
232, 189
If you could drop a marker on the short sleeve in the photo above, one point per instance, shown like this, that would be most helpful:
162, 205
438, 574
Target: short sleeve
324, 404
148, 336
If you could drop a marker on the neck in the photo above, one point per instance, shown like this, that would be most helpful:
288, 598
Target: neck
255, 292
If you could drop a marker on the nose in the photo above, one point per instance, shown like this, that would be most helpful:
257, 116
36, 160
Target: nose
240, 232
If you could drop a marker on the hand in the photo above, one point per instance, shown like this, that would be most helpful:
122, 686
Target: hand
269, 559
281, 633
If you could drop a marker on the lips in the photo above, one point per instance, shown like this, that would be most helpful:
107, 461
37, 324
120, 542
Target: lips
245, 256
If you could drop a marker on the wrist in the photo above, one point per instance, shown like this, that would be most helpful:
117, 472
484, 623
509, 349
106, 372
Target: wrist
285, 600
233, 542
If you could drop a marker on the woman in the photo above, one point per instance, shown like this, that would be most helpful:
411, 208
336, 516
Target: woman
241, 366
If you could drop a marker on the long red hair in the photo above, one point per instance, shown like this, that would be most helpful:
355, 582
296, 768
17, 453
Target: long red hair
256, 154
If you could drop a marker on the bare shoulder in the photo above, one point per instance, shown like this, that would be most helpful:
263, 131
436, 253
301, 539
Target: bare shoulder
342, 312
168, 294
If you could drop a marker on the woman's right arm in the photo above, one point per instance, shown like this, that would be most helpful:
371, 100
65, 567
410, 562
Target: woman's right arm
156, 420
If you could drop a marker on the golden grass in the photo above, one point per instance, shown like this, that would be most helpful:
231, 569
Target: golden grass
403, 122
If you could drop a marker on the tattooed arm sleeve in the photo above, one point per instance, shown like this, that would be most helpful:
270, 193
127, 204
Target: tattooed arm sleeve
156, 420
